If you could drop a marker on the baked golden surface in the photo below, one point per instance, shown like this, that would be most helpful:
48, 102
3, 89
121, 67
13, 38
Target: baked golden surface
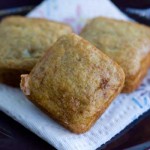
73, 83
24, 40
125, 42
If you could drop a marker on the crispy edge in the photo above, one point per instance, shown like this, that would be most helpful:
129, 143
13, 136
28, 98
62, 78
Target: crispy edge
11, 19
133, 82
136, 24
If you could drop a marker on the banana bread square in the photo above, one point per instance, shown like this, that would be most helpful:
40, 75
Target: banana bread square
73, 83
23, 41
127, 43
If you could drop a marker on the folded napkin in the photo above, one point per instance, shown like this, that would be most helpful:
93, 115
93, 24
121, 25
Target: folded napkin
123, 110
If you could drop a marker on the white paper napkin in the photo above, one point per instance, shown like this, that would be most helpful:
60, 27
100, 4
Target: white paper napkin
76, 12
124, 109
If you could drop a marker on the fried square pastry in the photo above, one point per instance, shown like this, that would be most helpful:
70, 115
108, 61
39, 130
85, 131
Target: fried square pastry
23, 41
73, 83
126, 43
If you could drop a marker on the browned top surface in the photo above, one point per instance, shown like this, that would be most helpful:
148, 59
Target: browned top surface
125, 42
24, 40
73, 81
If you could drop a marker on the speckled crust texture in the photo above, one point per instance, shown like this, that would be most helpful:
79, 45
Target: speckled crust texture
73, 83
125, 42
133, 82
24, 40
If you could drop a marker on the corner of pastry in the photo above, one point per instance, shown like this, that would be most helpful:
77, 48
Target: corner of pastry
73, 83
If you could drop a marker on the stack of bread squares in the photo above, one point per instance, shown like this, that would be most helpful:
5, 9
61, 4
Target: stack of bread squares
73, 78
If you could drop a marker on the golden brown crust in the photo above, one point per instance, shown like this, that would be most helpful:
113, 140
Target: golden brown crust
77, 129
21, 20
24, 40
125, 42
133, 82
73, 83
